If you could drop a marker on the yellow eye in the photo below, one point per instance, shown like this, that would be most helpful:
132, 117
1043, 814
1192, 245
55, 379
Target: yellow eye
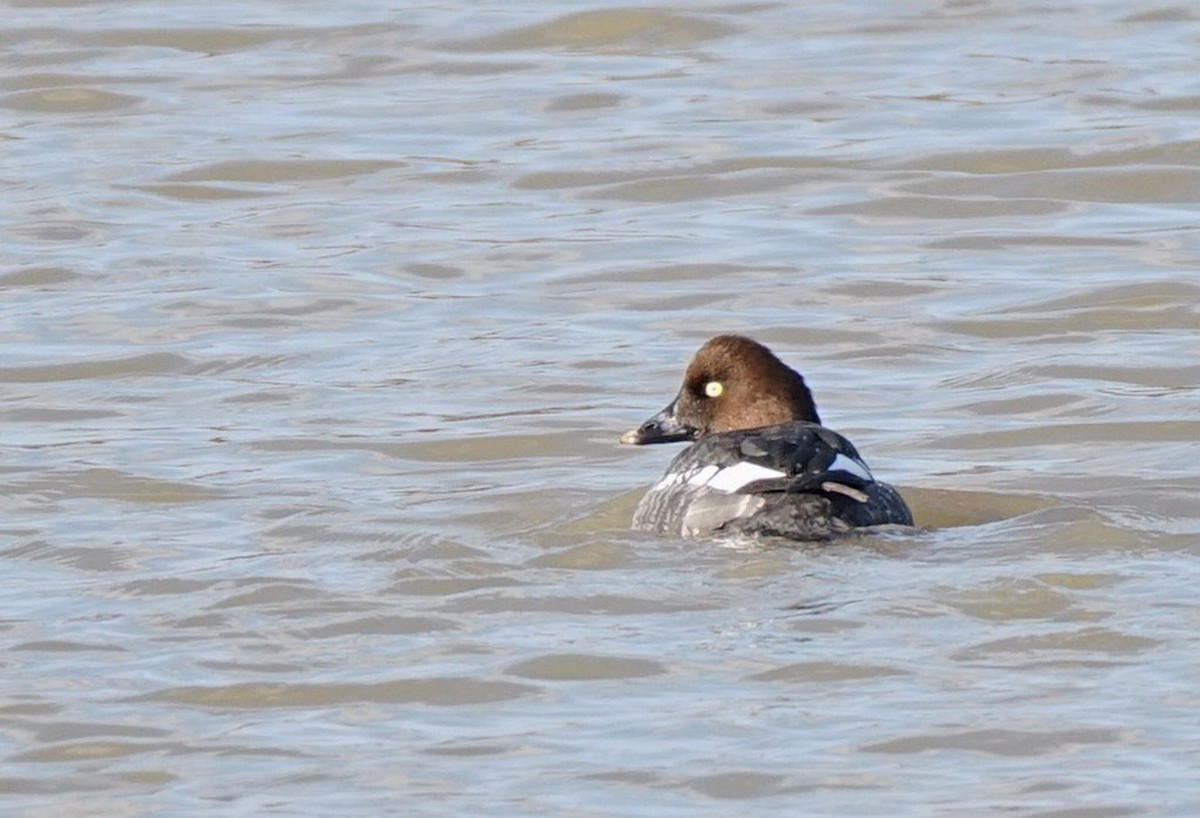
714, 389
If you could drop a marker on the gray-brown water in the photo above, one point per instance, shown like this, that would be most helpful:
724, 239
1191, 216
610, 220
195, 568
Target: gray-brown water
320, 322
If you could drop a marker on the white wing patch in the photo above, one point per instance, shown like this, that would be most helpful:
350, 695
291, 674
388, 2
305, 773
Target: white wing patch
851, 466
666, 481
695, 477
733, 478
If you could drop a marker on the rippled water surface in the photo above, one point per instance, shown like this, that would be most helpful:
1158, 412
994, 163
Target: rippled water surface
320, 323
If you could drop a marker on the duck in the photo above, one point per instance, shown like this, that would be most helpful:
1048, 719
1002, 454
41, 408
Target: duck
760, 461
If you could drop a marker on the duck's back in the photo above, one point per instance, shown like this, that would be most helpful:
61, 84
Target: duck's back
797, 480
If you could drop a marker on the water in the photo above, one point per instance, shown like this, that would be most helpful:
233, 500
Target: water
320, 325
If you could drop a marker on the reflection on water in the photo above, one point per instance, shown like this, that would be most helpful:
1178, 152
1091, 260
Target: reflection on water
320, 327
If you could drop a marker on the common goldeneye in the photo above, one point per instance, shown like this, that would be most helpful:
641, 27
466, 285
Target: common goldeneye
761, 462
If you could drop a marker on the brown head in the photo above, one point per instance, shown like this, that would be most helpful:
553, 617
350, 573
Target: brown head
731, 383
